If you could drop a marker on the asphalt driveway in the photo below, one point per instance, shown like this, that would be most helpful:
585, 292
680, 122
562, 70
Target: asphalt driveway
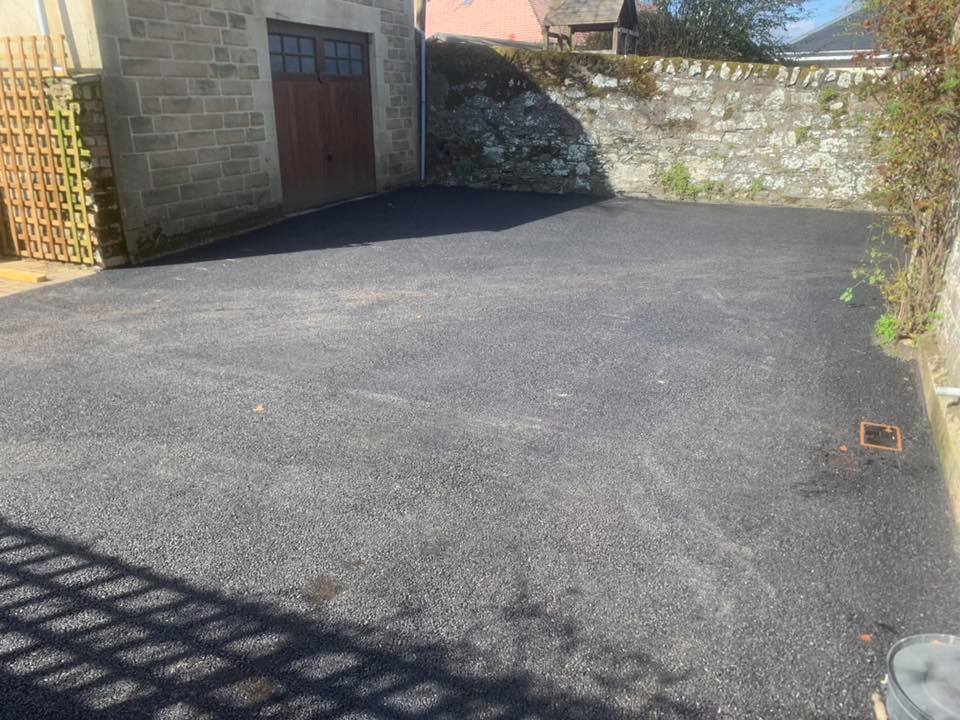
452, 454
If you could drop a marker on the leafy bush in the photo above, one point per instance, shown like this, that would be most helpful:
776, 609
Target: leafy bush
886, 328
599, 40
918, 133
718, 29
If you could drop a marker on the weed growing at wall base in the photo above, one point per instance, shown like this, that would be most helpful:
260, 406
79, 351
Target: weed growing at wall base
464, 169
676, 180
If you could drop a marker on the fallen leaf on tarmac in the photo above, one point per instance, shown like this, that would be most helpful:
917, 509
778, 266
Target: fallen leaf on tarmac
844, 448
259, 409
867, 638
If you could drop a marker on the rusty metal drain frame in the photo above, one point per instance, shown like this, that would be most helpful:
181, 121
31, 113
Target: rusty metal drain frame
864, 424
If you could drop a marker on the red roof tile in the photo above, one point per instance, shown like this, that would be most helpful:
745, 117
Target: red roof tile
517, 20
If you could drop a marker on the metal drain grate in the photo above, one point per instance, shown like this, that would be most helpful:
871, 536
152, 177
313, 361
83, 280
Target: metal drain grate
881, 436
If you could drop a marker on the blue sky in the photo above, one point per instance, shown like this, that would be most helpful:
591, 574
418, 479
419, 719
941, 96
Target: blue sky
819, 13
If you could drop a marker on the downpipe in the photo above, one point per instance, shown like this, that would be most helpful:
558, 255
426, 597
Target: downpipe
423, 105
42, 18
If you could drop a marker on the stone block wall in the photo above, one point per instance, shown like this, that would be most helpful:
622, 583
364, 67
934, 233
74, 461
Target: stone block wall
189, 103
398, 127
560, 122
189, 139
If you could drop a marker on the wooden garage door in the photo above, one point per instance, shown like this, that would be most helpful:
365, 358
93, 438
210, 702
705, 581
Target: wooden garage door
321, 90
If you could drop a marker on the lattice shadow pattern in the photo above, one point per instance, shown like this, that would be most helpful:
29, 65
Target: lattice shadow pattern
86, 635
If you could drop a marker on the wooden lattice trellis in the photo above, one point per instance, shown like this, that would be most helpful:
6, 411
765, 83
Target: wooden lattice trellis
43, 198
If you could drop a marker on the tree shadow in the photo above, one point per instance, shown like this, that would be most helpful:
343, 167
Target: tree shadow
87, 635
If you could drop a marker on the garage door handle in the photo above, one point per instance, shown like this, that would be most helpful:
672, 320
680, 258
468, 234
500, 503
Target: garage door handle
329, 156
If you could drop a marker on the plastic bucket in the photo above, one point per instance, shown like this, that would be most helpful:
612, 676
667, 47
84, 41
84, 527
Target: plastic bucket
924, 678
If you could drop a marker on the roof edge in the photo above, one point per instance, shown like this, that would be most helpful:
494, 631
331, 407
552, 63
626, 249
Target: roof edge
847, 15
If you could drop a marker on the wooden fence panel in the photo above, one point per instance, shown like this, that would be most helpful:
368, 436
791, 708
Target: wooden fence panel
43, 200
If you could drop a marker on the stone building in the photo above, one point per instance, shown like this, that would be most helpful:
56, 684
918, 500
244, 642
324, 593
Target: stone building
224, 113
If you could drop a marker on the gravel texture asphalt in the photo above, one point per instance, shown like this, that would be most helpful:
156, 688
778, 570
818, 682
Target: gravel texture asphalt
462, 454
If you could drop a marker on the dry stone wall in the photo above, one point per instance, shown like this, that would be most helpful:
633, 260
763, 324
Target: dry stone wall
560, 122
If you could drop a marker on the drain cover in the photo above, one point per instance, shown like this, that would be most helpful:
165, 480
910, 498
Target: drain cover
881, 436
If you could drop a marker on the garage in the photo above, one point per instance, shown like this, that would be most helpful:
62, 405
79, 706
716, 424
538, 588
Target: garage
322, 100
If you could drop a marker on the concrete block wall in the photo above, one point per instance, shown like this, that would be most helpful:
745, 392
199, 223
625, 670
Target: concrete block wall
189, 104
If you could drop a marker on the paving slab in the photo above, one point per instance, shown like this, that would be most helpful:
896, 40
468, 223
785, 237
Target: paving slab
21, 274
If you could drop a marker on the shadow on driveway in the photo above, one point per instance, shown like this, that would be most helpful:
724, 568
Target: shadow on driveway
447, 212
89, 635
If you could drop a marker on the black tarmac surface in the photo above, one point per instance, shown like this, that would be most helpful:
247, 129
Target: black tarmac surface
453, 454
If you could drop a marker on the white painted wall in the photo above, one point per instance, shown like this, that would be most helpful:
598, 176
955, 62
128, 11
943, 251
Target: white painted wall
72, 18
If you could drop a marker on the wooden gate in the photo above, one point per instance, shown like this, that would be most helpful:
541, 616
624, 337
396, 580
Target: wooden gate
321, 89
43, 201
